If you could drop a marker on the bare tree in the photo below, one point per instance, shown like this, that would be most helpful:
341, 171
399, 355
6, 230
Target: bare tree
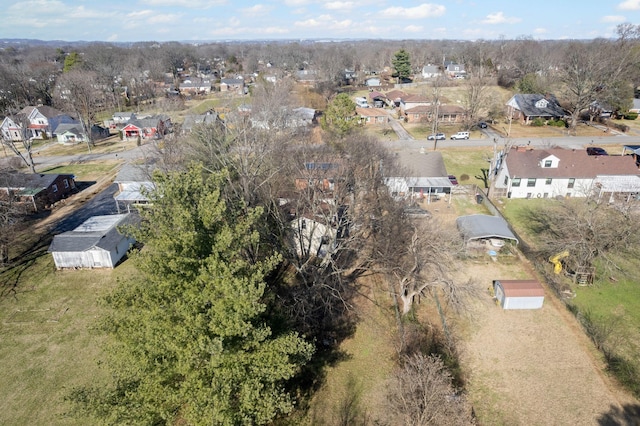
80, 93
477, 94
421, 393
22, 145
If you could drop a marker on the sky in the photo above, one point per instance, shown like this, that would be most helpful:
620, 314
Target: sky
222, 20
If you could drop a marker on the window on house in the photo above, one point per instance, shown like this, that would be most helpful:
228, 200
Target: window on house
66, 183
572, 181
547, 163
54, 187
548, 181
304, 224
506, 180
515, 182
531, 182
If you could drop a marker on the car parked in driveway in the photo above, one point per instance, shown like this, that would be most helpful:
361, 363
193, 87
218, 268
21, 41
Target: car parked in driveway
596, 150
453, 180
437, 137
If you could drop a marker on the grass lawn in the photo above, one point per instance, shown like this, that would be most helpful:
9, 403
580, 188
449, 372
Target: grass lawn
469, 162
86, 171
48, 346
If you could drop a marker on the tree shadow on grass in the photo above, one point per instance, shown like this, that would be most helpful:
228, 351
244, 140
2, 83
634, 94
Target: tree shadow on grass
627, 415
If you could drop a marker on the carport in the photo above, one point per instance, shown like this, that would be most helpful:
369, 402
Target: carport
483, 227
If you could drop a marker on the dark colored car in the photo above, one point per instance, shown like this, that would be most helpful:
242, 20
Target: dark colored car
437, 136
482, 125
596, 150
453, 180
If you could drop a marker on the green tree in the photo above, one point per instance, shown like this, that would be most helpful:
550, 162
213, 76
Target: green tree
340, 116
192, 340
72, 61
401, 64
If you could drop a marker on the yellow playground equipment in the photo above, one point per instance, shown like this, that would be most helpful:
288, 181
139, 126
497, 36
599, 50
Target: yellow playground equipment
556, 258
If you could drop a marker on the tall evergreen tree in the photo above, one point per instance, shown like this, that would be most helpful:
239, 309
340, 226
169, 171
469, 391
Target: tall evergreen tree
340, 116
192, 341
402, 65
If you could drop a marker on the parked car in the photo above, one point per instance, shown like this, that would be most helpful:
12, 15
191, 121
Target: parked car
596, 150
482, 125
460, 135
453, 180
437, 137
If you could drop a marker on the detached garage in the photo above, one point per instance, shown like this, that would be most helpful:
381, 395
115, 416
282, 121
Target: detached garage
519, 294
96, 243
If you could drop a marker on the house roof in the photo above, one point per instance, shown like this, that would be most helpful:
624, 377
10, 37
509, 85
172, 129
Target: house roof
422, 164
526, 163
232, 81
416, 99
192, 119
31, 182
521, 288
371, 112
124, 114
481, 226
76, 129
396, 94
96, 232
526, 103
45, 110
135, 173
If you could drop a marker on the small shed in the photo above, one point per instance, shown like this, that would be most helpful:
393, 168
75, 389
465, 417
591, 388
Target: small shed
519, 294
96, 243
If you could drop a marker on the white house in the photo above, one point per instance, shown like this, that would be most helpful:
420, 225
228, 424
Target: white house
519, 294
547, 173
134, 183
313, 236
96, 243
431, 71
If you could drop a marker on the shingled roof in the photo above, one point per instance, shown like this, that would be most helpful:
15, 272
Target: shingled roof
527, 163
536, 105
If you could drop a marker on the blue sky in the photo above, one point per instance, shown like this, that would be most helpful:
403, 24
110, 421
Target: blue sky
209, 20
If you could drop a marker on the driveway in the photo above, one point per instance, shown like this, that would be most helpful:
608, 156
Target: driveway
397, 127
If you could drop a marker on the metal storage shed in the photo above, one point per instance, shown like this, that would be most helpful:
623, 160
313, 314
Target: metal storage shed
96, 243
519, 294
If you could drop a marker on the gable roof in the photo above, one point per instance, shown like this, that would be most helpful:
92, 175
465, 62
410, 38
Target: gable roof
536, 105
521, 288
31, 182
62, 128
96, 232
572, 163
45, 110
371, 112
416, 99
192, 119
481, 226
396, 94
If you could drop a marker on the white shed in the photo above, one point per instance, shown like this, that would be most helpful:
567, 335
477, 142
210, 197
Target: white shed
96, 243
519, 294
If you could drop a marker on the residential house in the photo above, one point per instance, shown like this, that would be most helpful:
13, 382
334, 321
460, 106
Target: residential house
122, 117
134, 184
154, 127
378, 100
395, 96
195, 87
97, 243
527, 107
412, 101
99, 132
431, 71
372, 82
307, 77
40, 123
232, 85
636, 106
70, 134
446, 114
454, 70
599, 109
37, 191
557, 172
372, 115
422, 174
313, 235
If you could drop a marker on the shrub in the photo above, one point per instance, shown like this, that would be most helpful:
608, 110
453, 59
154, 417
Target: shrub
538, 122
631, 116
557, 123
464, 177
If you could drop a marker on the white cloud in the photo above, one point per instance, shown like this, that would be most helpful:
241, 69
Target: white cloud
613, 18
314, 22
140, 14
630, 5
296, 3
413, 29
256, 10
163, 18
189, 4
540, 31
38, 6
425, 10
499, 18
339, 5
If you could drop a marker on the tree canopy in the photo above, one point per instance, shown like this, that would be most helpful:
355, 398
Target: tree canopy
192, 342
401, 64
339, 117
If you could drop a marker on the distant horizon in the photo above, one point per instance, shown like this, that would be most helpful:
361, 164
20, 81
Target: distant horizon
217, 21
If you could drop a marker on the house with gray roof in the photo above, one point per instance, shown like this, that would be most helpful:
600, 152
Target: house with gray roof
193, 120
69, 133
134, 181
420, 174
557, 172
484, 227
527, 107
97, 243
37, 191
